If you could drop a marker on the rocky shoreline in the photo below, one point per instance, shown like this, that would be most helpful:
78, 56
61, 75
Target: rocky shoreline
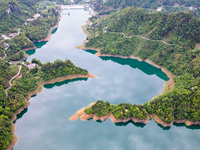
29, 48
83, 116
168, 86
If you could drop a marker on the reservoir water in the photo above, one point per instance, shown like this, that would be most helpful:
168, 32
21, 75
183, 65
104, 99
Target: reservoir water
45, 124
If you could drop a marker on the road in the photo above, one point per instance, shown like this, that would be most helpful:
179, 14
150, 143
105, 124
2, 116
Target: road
10, 84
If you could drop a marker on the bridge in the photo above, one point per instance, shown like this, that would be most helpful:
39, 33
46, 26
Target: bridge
68, 7
64, 7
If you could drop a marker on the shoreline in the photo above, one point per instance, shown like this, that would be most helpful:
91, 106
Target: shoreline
50, 31
29, 48
168, 86
14, 117
37, 91
83, 117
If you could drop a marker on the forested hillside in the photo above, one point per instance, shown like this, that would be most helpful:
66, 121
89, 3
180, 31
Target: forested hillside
110, 6
151, 3
29, 81
177, 28
1, 49
59, 68
14, 13
182, 29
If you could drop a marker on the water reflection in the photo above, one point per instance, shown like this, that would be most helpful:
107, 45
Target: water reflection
50, 86
164, 128
134, 63
91, 51
140, 125
21, 114
31, 52
192, 127
39, 44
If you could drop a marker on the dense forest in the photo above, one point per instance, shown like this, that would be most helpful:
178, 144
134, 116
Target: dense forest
183, 101
157, 26
16, 46
59, 68
1, 49
110, 6
13, 15
151, 4
14, 12
6, 72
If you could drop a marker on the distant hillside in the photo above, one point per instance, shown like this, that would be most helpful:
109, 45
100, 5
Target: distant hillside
14, 15
14, 12
178, 28
151, 3
110, 6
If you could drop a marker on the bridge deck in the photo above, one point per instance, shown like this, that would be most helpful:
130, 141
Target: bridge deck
72, 6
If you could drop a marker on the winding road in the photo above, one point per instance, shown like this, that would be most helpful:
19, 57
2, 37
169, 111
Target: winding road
143, 38
4, 55
6, 91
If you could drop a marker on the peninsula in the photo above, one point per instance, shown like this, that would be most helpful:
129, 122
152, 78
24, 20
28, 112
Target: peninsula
20, 80
164, 45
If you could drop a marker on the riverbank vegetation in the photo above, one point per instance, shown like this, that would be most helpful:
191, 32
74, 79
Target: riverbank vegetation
120, 111
59, 68
134, 32
27, 82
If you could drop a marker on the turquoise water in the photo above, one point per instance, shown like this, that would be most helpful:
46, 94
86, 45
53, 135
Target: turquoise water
45, 124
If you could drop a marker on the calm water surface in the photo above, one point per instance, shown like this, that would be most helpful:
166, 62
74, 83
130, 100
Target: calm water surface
45, 124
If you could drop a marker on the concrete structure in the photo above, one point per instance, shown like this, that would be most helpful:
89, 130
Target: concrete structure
159, 8
30, 66
5, 37
64, 7
5, 45
35, 17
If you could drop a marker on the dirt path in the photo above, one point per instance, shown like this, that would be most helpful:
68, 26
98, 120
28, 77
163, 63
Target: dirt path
6, 91
143, 38
5, 55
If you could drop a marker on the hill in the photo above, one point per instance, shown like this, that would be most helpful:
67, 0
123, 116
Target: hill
181, 28
110, 6
110, 36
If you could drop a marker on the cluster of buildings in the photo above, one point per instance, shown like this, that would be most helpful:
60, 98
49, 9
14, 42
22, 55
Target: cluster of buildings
31, 19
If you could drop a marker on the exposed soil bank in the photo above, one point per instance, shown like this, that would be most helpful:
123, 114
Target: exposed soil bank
29, 48
83, 116
198, 46
38, 90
